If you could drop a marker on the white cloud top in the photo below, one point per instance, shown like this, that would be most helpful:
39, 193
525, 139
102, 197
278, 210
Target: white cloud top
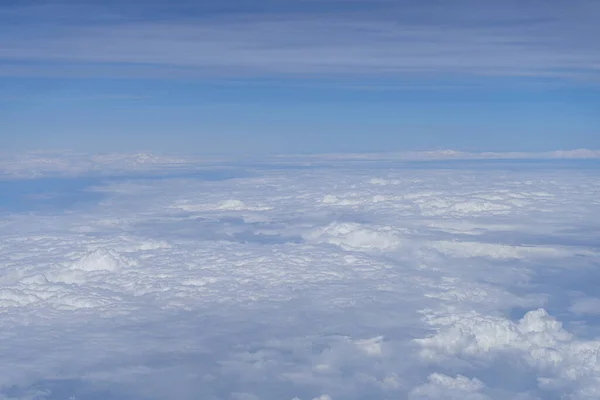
339, 281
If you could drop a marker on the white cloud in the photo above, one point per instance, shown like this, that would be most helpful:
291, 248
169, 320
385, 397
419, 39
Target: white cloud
445, 387
586, 306
42, 164
255, 287
509, 39
356, 236
561, 361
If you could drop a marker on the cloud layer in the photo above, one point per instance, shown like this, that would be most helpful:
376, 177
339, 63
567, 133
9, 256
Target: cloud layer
324, 282
465, 38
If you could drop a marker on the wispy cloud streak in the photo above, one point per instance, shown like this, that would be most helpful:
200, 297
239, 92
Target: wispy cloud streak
464, 38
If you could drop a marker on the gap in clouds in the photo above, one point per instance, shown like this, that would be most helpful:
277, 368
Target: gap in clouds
58, 194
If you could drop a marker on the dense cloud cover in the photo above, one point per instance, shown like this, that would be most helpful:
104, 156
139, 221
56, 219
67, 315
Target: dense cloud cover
318, 279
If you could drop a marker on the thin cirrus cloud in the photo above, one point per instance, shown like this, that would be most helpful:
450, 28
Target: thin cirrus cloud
544, 39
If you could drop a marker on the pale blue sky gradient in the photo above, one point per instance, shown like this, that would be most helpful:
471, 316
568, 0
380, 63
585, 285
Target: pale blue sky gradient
299, 76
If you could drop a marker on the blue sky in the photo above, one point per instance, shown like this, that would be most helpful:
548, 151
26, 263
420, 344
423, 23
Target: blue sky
299, 76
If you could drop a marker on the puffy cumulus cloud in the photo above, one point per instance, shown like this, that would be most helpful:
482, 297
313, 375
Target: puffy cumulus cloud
346, 366
101, 260
561, 361
356, 236
371, 347
296, 282
225, 205
243, 396
68, 285
441, 386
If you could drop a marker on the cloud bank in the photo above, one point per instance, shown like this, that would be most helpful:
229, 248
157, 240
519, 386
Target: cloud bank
322, 282
45, 164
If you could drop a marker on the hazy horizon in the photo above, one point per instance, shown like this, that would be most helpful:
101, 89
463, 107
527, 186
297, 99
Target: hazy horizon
299, 200
308, 76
